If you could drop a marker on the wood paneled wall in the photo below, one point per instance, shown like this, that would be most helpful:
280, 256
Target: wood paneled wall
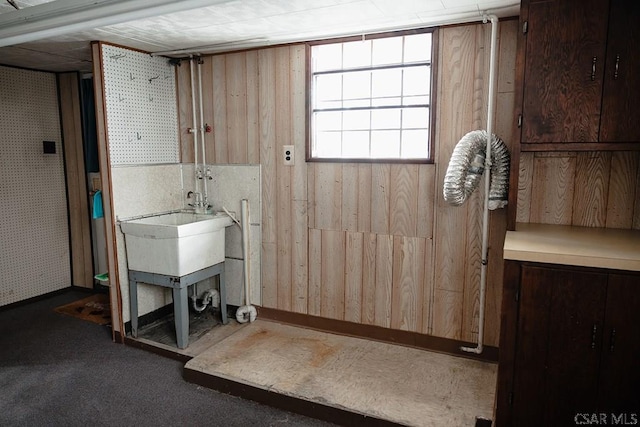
367, 243
589, 189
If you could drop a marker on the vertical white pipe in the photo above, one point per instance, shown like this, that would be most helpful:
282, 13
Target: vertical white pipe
202, 132
487, 180
246, 249
195, 127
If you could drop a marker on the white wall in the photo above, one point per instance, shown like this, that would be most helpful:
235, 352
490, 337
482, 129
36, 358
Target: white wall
34, 233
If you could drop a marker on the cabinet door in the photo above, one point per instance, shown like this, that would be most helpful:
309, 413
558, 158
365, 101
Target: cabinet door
564, 65
620, 104
558, 345
620, 364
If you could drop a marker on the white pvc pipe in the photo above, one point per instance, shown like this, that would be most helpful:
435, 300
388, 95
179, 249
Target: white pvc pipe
246, 312
202, 132
194, 129
487, 176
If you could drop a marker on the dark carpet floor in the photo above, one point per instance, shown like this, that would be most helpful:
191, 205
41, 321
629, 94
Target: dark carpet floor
57, 370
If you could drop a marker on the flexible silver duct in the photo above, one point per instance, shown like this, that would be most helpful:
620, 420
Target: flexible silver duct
467, 166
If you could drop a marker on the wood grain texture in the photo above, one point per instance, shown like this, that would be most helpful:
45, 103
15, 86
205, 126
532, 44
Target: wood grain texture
333, 267
220, 134
353, 276
185, 112
591, 189
327, 193
283, 177
206, 68
315, 272
380, 187
369, 278
408, 283
253, 107
79, 227
377, 211
384, 280
236, 107
403, 203
552, 192
623, 190
300, 247
269, 275
267, 121
426, 201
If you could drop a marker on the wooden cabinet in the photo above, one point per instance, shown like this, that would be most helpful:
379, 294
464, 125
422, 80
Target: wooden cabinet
581, 73
570, 345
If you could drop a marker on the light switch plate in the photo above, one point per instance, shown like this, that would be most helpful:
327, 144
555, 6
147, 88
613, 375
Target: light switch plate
287, 155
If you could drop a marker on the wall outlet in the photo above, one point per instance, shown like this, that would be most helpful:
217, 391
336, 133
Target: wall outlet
287, 153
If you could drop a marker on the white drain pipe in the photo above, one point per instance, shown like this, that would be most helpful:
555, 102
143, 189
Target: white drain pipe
246, 313
487, 180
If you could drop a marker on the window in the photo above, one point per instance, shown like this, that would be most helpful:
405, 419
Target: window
371, 98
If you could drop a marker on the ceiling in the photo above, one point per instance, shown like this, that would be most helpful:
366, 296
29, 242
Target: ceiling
228, 25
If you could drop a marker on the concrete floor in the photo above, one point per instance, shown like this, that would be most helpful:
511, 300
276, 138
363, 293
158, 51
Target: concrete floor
395, 383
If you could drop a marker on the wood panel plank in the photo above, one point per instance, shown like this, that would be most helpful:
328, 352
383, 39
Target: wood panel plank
403, 200
328, 196
426, 200
636, 209
283, 177
495, 270
447, 313
315, 272
267, 121
552, 192
311, 194
591, 189
428, 288
353, 276
623, 190
364, 197
79, 227
333, 273
350, 186
369, 278
236, 107
269, 275
208, 109
384, 280
221, 148
253, 108
507, 59
455, 119
300, 245
380, 200
525, 186
185, 112
408, 283
298, 120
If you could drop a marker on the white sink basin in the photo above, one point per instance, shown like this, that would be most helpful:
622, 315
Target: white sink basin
175, 244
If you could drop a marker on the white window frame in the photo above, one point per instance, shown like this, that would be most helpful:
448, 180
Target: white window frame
313, 110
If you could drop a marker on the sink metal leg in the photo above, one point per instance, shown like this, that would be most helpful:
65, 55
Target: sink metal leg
133, 307
223, 298
181, 314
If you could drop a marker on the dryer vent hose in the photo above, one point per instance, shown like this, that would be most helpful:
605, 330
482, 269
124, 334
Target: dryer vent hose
467, 166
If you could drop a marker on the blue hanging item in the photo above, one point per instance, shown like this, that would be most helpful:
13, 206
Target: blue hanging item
97, 205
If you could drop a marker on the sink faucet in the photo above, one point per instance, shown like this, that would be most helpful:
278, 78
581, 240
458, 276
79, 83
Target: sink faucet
199, 204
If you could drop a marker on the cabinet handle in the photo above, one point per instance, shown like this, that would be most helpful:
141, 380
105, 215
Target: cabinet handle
615, 74
593, 68
593, 336
612, 340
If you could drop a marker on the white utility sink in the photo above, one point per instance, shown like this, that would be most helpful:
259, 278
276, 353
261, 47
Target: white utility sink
175, 244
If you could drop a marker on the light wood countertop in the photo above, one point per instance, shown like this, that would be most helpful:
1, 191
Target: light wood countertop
568, 245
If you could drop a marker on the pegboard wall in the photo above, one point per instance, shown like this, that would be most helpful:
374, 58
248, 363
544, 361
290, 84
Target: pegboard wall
142, 118
34, 235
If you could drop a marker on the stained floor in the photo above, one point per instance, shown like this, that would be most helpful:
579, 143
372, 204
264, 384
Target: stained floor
400, 384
